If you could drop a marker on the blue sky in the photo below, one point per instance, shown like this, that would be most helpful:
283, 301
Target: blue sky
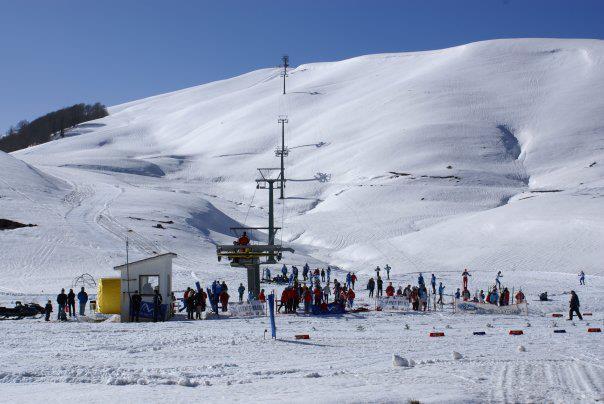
60, 52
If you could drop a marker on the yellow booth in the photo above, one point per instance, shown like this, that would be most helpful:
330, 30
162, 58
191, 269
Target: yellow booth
108, 300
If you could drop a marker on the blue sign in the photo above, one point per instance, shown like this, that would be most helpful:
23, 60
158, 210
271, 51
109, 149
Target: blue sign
147, 310
271, 310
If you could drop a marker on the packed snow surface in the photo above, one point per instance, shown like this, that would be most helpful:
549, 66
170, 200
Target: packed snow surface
488, 156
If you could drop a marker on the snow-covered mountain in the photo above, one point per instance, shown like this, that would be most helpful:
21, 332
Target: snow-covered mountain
488, 155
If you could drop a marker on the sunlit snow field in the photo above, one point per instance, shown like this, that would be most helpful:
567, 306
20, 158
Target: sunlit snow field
488, 156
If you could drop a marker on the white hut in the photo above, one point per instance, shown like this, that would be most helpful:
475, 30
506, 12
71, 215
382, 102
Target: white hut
145, 276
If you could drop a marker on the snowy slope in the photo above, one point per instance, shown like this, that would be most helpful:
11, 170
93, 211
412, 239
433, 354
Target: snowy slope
520, 123
512, 118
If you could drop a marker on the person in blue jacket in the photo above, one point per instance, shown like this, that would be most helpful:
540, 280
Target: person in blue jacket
328, 274
82, 299
441, 290
433, 283
458, 294
494, 297
348, 279
284, 271
420, 279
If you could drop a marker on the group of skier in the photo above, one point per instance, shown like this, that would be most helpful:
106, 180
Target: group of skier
308, 275
66, 304
317, 295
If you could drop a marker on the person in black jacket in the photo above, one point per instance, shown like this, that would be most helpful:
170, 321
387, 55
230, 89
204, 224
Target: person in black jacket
574, 306
61, 301
47, 311
157, 300
135, 306
190, 303
71, 302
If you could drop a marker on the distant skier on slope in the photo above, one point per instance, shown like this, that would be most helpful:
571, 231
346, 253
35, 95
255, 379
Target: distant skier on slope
574, 306
464, 276
241, 290
47, 311
380, 284
497, 279
328, 272
284, 271
581, 278
441, 290
371, 287
390, 290
387, 268
420, 279
433, 283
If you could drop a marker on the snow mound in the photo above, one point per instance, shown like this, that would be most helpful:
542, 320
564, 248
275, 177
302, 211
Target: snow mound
457, 355
399, 361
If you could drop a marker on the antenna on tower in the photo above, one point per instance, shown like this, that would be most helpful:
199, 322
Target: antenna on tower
282, 153
285, 65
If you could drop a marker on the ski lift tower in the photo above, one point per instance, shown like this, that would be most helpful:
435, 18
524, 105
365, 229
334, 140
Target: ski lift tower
251, 256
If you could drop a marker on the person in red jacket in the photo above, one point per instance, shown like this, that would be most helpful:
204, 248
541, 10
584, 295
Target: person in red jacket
244, 239
350, 297
390, 290
519, 297
353, 279
261, 296
318, 296
307, 296
283, 301
224, 300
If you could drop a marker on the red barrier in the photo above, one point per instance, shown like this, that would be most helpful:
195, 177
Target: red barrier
587, 314
594, 330
556, 315
437, 334
302, 336
516, 332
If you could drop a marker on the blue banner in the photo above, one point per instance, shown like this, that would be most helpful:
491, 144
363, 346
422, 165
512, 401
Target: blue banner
147, 310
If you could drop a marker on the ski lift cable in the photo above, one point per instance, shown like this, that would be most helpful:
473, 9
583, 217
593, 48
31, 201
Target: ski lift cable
250, 206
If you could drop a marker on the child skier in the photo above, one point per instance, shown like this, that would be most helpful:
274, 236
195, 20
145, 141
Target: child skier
47, 311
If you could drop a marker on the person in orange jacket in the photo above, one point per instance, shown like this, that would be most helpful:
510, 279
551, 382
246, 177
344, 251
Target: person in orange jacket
244, 239
390, 290
350, 297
